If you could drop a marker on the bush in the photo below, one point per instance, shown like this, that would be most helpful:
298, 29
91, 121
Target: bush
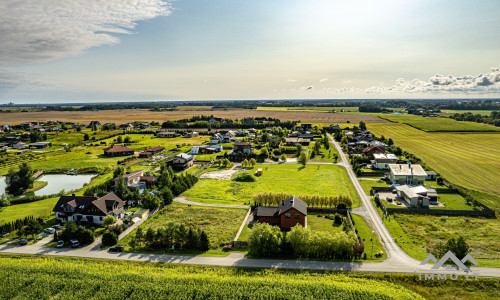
265, 240
243, 177
109, 239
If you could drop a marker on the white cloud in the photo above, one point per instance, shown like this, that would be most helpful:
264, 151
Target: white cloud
482, 83
33, 31
11, 80
323, 80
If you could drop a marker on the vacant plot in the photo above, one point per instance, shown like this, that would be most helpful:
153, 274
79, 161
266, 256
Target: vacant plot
311, 180
221, 175
42, 208
220, 224
436, 124
317, 222
130, 115
470, 160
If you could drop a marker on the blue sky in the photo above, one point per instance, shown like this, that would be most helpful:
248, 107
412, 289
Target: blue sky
116, 50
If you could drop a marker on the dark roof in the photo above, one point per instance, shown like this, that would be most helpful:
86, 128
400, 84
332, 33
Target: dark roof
274, 211
89, 205
373, 147
118, 148
243, 144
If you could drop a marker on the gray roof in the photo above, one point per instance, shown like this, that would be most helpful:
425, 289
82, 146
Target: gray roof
292, 202
266, 211
185, 156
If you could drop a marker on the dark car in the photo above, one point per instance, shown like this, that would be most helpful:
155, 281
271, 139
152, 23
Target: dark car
56, 226
23, 242
74, 243
116, 249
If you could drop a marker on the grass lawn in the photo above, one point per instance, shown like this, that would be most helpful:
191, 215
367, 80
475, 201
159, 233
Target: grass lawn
453, 201
368, 184
36, 186
366, 234
327, 153
461, 111
42, 208
317, 223
220, 224
291, 178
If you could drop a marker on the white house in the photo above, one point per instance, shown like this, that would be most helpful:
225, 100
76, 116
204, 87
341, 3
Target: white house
382, 161
407, 174
416, 196
206, 149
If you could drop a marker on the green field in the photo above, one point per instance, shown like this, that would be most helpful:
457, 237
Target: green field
471, 160
220, 224
436, 124
366, 234
460, 111
347, 109
313, 180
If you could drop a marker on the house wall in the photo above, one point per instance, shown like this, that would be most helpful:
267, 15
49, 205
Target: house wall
269, 220
287, 223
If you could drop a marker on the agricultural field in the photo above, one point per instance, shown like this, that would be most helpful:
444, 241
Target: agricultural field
220, 224
337, 109
320, 180
437, 124
459, 111
131, 115
470, 160
47, 278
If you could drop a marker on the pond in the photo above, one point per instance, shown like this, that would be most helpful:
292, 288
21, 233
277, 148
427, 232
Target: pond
56, 182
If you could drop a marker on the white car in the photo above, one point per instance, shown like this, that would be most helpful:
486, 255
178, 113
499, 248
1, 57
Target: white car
49, 230
394, 185
60, 244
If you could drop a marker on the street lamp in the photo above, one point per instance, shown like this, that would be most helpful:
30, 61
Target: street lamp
372, 241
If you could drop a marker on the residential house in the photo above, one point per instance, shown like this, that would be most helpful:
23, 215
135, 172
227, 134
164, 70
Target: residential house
243, 147
297, 141
148, 152
431, 175
118, 150
252, 130
241, 133
213, 120
307, 135
372, 150
332, 128
88, 210
40, 145
407, 174
143, 126
377, 144
206, 149
191, 134
305, 126
416, 196
216, 138
349, 133
228, 136
288, 214
382, 161
127, 126
19, 145
93, 124
247, 121
167, 134
136, 180
56, 128
181, 161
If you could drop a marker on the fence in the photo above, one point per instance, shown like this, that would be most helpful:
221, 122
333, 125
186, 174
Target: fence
375, 190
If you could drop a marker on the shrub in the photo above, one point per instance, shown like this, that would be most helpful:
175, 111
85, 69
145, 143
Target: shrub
243, 177
109, 239
265, 240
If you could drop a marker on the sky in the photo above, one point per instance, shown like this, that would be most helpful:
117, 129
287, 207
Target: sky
142, 50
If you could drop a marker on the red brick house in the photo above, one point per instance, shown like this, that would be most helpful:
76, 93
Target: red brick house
370, 150
289, 213
148, 152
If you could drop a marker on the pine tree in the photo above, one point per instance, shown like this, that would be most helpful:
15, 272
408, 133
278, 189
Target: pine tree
204, 243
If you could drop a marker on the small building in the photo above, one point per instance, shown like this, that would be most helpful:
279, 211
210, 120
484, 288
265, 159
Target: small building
431, 175
372, 150
258, 172
191, 134
416, 196
297, 141
126, 127
407, 174
40, 145
216, 138
148, 152
143, 126
288, 214
332, 128
93, 124
213, 120
167, 134
181, 161
136, 180
382, 161
118, 150
243, 147
88, 210
19, 145
305, 126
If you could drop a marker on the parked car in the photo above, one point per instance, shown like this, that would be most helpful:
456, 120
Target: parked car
394, 185
23, 242
4, 234
389, 199
116, 249
384, 179
74, 243
49, 230
60, 244
57, 226
129, 213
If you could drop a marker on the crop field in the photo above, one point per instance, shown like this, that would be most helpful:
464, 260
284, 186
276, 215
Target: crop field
313, 109
320, 180
220, 224
470, 160
460, 111
437, 124
130, 115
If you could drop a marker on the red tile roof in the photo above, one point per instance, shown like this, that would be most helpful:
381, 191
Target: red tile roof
118, 148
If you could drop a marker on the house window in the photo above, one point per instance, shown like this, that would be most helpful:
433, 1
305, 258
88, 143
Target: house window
297, 216
100, 218
287, 215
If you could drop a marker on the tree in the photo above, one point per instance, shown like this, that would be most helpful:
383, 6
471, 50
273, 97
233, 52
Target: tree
303, 159
326, 142
362, 125
86, 137
264, 152
127, 139
359, 248
204, 242
20, 181
149, 237
109, 239
283, 157
167, 195
265, 240
335, 157
132, 243
192, 239
299, 150
461, 248
151, 201
56, 237
109, 220
32, 227
139, 235
118, 172
252, 162
317, 146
